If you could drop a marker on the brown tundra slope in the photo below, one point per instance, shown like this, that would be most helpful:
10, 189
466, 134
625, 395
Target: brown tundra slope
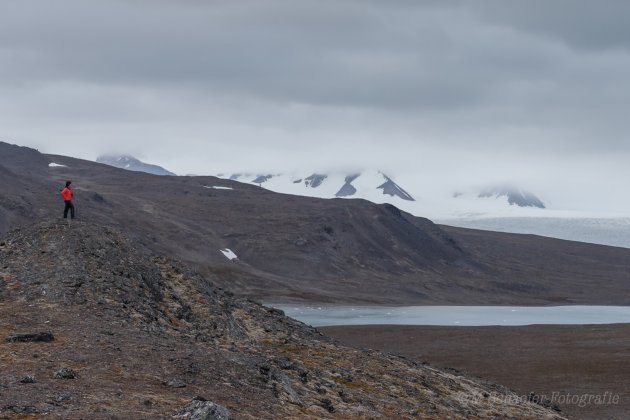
293, 248
126, 334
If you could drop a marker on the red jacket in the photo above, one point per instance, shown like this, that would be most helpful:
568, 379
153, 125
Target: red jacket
66, 193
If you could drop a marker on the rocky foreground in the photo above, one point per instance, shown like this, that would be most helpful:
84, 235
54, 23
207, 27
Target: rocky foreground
92, 326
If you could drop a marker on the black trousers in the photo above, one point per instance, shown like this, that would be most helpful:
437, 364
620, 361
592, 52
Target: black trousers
69, 206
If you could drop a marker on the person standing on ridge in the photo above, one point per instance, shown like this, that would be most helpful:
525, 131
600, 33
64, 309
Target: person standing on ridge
66, 194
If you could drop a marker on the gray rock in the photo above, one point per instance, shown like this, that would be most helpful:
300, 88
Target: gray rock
175, 383
283, 383
65, 373
204, 410
20, 409
28, 379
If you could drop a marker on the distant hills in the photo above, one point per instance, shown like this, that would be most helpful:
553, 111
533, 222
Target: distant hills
130, 163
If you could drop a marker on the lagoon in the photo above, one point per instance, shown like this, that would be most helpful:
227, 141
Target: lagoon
322, 315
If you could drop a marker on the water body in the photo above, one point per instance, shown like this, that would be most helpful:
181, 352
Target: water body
318, 316
603, 231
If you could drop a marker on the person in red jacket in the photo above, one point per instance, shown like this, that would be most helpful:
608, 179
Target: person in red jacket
66, 194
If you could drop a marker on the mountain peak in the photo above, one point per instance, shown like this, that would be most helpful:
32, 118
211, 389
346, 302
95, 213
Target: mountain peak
261, 179
347, 189
131, 163
515, 196
315, 180
329, 185
389, 187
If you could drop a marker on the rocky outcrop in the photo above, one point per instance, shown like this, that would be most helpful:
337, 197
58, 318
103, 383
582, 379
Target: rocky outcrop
65, 373
204, 410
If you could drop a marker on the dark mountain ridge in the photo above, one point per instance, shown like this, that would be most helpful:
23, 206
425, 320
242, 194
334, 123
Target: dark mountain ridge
293, 248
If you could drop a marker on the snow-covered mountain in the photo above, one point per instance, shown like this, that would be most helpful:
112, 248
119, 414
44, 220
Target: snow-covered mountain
370, 185
132, 164
505, 208
378, 187
513, 195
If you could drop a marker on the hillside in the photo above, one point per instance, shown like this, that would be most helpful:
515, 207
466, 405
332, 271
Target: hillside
291, 248
95, 327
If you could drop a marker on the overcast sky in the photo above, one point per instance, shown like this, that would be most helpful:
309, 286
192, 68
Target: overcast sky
464, 92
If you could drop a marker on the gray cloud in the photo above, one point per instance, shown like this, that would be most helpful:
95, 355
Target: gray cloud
531, 90
581, 24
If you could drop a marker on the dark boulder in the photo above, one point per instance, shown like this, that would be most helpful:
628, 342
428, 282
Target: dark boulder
43, 337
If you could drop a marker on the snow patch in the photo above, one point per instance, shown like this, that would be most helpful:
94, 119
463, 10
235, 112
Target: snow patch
218, 187
229, 254
56, 165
